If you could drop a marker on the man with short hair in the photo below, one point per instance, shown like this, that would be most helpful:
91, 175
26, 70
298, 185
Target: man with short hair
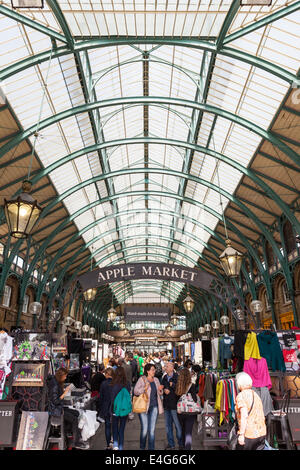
170, 399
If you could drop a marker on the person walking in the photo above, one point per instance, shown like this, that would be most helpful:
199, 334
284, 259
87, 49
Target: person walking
250, 415
134, 367
118, 383
170, 399
184, 385
158, 366
104, 406
149, 383
127, 369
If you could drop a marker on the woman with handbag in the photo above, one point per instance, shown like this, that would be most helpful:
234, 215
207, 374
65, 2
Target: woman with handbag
250, 415
147, 403
187, 419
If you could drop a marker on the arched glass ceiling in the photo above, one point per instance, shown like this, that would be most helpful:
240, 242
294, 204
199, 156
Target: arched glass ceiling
240, 60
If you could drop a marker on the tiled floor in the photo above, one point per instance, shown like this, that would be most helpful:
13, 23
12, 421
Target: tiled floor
132, 436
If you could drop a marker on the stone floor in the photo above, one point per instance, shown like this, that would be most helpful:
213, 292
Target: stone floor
132, 436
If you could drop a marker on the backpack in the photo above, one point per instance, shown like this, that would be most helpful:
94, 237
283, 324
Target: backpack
158, 369
122, 403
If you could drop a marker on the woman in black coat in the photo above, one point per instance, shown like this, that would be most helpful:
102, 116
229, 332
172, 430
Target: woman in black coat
105, 403
56, 394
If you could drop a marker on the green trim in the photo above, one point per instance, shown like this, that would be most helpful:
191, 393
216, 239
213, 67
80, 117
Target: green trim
283, 12
234, 7
53, 5
148, 100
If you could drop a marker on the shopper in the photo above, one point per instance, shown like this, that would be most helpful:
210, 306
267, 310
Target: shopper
141, 363
170, 399
184, 385
250, 414
105, 404
97, 380
127, 369
149, 383
134, 367
56, 394
119, 382
158, 366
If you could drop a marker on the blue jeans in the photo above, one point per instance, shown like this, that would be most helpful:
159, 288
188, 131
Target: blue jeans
118, 428
170, 418
148, 423
108, 430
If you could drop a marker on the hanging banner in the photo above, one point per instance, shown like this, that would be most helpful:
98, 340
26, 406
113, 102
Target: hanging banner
159, 271
146, 314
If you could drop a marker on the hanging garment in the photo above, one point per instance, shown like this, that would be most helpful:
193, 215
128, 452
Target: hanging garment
208, 390
239, 347
225, 350
264, 394
201, 388
289, 347
214, 352
258, 371
206, 350
6, 351
198, 352
251, 347
269, 348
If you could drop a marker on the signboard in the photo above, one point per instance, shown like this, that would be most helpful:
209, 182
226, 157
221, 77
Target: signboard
147, 331
8, 416
146, 314
160, 271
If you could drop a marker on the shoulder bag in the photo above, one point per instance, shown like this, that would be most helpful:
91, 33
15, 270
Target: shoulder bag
140, 402
186, 404
233, 435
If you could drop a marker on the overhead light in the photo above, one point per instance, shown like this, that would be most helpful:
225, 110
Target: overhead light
92, 331
201, 330
111, 314
77, 325
22, 212
174, 319
35, 308
27, 3
85, 328
90, 294
215, 324
68, 321
207, 327
169, 328
258, 3
54, 316
256, 306
188, 303
224, 320
122, 324
231, 260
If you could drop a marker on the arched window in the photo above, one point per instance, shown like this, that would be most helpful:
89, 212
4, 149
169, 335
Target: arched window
289, 237
285, 293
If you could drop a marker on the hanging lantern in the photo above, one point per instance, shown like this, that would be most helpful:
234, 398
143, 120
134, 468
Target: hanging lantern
207, 327
68, 321
168, 328
231, 260
174, 319
77, 325
201, 330
122, 324
188, 303
90, 294
54, 316
224, 320
92, 331
35, 308
215, 324
22, 212
239, 314
189, 335
111, 314
85, 328
256, 306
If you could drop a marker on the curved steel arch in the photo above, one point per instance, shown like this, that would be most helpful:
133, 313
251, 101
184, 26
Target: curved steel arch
148, 100
41, 57
212, 186
217, 155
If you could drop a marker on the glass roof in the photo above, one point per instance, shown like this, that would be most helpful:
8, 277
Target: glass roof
147, 215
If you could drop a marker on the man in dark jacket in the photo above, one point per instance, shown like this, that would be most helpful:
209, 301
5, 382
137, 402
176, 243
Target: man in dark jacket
105, 403
127, 369
170, 399
134, 367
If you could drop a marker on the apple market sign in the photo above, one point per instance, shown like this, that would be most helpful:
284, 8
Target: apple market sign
159, 271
